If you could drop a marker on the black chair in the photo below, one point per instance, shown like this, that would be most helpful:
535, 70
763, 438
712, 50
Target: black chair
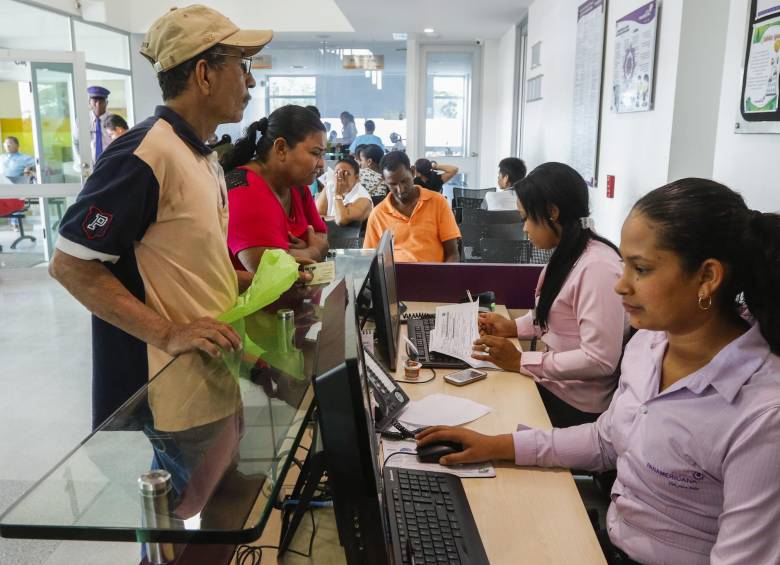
344, 237
18, 216
458, 215
470, 235
513, 232
540, 256
466, 203
376, 199
473, 193
482, 216
495, 250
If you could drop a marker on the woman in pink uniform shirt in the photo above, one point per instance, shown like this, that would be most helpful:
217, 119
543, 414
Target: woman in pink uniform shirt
694, 427
578, 316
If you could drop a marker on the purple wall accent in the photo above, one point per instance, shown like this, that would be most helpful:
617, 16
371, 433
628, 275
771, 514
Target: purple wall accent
447, 282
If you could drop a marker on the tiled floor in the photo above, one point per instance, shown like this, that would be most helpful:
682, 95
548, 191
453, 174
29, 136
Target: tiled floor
44, 405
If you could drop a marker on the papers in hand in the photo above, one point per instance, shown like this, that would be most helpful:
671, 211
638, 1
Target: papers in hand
441, 410
408, 460
455, 330
321, 273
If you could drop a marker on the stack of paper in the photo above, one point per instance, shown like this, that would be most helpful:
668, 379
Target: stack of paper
441, 410
455, 331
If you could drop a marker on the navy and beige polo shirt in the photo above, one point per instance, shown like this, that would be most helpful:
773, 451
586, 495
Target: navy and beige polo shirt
155, 213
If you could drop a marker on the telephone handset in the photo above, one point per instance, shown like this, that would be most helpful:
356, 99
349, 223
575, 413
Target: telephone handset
389, 396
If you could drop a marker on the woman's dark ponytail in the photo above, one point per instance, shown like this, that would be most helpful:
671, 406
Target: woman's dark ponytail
244, 149
759, 275
559, 185
291, 123
700, 219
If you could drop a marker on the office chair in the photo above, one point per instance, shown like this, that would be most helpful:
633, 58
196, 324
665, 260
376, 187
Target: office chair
540, 256
482, 216
470, 235
375, 199
343, 237
474, 193
464, 202
495, 250
504, 231
16, 209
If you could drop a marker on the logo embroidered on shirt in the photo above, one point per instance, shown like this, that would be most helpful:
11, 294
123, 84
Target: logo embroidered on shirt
682, 479
96, 223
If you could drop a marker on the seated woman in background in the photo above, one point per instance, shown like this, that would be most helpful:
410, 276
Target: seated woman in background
344, 198
267, 178
694, 427
369, 156
578, 316
433, 175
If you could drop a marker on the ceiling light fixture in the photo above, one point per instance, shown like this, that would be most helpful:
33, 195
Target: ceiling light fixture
429, 30
400, 36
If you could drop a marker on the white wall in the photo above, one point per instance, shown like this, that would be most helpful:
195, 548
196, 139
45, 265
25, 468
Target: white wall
684, 131
497, 105
635, 147
146, 90
747, 163
547, 122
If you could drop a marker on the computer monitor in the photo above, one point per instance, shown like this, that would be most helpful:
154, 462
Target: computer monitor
352, 452
382, 293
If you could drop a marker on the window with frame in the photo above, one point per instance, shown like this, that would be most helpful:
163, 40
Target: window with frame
283, 90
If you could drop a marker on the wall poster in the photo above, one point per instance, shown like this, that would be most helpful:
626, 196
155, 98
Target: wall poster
761, 82
635, 37
591, 18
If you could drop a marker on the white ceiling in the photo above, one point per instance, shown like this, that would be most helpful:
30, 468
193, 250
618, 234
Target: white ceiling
341, 20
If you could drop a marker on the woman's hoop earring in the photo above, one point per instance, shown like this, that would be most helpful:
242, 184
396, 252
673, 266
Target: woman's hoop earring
705, 305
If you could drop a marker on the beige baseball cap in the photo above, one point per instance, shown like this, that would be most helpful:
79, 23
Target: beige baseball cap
182, 33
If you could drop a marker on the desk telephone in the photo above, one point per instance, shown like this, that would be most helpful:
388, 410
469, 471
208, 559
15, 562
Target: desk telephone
389, 397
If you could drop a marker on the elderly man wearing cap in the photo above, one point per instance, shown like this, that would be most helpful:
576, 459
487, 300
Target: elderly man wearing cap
144, 246
98, 102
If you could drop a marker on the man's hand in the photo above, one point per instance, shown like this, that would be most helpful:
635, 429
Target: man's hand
496, 324
476, 447
499, 351
206, 334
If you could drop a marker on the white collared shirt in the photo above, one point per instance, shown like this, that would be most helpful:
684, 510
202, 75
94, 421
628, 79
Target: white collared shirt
358, 191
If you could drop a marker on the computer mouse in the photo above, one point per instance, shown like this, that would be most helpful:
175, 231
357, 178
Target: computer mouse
432, 452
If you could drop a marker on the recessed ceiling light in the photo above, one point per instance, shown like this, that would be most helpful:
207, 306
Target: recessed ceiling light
428, 30
400, 36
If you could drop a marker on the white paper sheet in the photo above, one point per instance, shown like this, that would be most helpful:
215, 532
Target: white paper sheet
408, 460
441, 410
456, 329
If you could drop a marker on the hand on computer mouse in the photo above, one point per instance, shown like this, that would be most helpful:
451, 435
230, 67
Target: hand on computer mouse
476, 447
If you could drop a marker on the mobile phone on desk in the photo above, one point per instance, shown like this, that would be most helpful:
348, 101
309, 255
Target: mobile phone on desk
465, 377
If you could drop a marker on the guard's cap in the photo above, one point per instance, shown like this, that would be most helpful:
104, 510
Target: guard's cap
98, 92
182, 33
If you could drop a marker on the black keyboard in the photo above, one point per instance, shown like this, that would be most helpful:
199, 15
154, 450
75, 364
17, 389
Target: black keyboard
430, 519
419, 331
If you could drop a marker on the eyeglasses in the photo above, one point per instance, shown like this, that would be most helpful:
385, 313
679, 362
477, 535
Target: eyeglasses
246, 62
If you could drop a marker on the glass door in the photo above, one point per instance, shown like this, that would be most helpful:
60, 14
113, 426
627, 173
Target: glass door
50, 118
451, 130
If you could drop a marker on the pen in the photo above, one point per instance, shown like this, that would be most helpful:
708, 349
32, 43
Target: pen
468, 293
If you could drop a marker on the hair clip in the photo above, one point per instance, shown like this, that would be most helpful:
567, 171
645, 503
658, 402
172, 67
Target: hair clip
587, 223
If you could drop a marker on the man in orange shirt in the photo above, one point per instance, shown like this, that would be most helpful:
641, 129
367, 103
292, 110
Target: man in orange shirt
423, 225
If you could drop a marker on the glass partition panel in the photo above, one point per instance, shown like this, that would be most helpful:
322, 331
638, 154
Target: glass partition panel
102, 46
447, 116
26, 27
52, 85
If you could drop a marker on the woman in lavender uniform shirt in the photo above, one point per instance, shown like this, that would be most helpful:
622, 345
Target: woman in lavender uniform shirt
694, 426
578, 316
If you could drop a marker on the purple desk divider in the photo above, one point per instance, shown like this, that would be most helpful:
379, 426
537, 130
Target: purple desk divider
514, 285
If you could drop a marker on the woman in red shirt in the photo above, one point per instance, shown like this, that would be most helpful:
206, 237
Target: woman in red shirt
267, 179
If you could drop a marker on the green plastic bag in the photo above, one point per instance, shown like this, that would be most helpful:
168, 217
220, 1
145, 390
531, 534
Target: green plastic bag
275, 274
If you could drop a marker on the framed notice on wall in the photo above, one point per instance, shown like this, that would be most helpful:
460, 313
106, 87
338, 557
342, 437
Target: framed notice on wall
760, 82
632, 75
587, 88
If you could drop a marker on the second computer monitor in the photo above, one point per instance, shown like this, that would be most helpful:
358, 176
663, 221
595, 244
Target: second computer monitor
384, 299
